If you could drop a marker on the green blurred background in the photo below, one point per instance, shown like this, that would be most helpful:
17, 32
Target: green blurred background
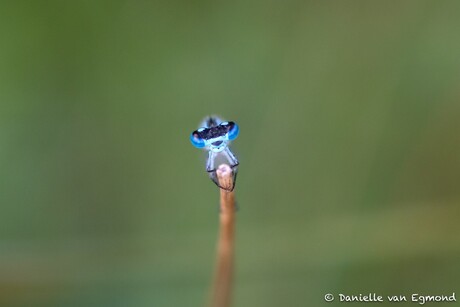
349, 178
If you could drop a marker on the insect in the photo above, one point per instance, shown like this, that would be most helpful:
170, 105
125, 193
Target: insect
215, 136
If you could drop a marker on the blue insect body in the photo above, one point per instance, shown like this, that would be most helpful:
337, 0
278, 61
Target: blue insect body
215, 136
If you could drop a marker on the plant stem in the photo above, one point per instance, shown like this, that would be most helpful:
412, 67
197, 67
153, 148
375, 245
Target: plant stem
222, 287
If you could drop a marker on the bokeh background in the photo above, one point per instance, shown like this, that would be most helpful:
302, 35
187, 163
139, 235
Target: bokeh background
349, 149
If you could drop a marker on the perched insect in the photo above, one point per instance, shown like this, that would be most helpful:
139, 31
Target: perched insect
214, 136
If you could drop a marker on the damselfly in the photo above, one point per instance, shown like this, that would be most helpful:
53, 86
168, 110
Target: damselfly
214, 136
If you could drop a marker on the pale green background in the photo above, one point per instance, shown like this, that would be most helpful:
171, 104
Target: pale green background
349, 149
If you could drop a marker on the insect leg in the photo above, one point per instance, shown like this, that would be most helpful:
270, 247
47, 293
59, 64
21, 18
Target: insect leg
231, 157
210, 163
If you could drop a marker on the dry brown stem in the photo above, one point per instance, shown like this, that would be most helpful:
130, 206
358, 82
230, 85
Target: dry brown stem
222, 286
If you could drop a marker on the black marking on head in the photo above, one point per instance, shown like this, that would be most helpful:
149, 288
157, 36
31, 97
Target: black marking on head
213, 132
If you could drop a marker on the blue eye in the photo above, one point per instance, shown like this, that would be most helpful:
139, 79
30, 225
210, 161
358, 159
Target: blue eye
233, 132
196, 140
